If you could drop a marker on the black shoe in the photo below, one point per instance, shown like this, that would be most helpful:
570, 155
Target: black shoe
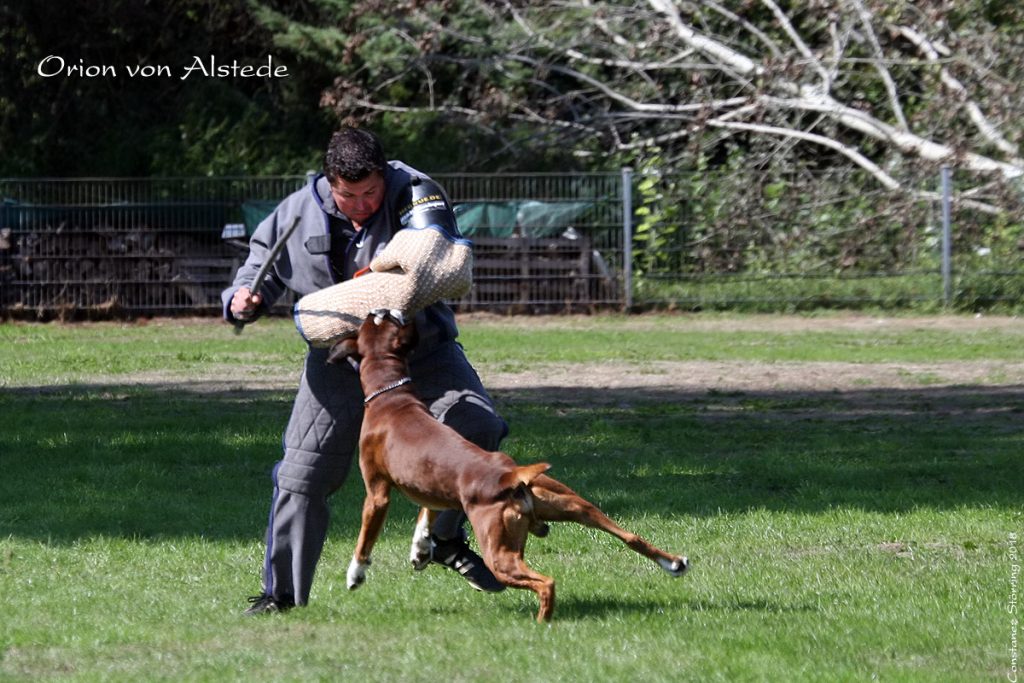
267, 604
455, 554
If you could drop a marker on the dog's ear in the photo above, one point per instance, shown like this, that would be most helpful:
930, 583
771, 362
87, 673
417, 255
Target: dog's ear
344, 349
523, 475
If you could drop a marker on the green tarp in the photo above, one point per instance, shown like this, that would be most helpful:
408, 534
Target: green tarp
521, 218
484, 219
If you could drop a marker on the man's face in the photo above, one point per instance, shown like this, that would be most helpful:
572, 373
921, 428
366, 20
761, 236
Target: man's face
359, 200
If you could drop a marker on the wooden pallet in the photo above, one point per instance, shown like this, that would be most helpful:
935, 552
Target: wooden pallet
530, 273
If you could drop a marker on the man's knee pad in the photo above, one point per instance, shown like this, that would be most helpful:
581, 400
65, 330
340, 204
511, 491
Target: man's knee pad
475, 419
312, 474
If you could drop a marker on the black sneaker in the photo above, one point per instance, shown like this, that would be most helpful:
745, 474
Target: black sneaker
456, 554
267, 604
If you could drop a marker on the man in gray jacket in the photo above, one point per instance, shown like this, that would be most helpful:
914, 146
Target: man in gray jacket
346, 216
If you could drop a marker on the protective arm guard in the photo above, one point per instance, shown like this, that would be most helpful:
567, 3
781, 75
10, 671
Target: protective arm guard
425, 205
418, 267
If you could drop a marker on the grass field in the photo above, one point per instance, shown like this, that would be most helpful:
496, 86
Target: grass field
842, 531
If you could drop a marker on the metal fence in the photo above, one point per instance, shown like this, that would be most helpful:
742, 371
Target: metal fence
704, 239
149, 245
550, 242
813, 238
154, 246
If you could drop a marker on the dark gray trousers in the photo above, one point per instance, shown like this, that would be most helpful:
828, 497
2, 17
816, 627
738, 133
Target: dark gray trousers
323, 434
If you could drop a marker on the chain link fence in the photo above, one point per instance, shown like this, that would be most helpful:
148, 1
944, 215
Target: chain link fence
725, 238
108, 246
542, 242
105, 247
730, 238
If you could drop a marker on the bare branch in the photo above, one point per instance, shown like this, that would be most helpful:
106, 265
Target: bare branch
662, 72
810, 98
879, 64
638, 67
731, 60
904, 140
985, 127
801, 46
629, 102
849, 152
856, 157
773, 47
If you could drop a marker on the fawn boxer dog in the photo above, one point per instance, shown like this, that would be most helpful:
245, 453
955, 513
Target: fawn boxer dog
403, 446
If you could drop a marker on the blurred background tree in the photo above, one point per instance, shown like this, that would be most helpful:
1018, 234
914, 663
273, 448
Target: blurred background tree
480, 85
71, 125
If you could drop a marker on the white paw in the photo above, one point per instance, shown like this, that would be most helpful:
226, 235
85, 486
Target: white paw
420, 551
356, 573
676, 567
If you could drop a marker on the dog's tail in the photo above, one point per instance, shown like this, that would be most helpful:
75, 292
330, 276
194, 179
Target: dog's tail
522, 476
516, 484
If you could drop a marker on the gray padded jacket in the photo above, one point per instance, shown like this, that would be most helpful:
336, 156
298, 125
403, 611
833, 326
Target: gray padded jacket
305, 265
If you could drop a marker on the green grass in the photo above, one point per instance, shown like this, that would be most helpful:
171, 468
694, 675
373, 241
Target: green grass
45, 354
828, 542
69, 353
49, 354
668, 338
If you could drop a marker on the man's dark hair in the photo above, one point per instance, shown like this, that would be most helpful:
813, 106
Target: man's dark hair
352, 155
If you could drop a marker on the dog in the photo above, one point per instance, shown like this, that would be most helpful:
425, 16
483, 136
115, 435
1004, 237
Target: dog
403, 446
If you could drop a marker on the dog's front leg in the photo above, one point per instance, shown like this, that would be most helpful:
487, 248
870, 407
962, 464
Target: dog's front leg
375, 510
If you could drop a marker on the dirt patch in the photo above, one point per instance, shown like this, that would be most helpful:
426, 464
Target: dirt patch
853, 388
850, 390
837, 322
713, 390
649, 377
731, 376
777, 391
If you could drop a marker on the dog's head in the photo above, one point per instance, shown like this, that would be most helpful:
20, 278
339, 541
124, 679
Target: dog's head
383, 333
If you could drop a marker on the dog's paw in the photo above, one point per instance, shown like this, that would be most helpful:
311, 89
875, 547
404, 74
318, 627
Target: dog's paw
676, 567
419, 559
356, 576
422, 549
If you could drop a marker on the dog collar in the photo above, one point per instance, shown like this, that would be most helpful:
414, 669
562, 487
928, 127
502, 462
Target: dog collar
384, 390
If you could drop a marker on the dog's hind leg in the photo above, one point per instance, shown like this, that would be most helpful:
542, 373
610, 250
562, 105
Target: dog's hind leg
508, 567
511, 570
556, 502
375, 510
501, 533
420, 551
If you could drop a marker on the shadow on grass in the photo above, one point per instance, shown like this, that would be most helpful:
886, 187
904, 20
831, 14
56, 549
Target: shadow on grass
569, 607
154, 462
